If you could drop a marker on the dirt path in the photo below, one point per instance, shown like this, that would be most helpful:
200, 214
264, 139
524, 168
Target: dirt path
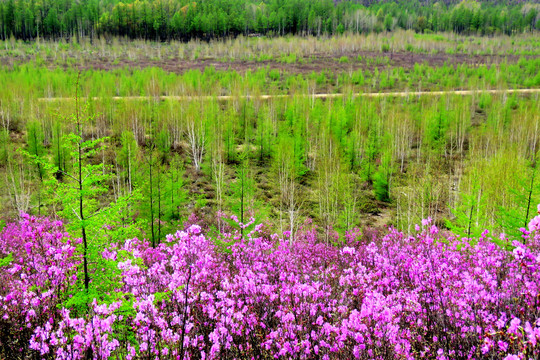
314, 96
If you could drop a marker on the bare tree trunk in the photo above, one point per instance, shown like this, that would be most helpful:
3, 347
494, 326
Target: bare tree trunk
218, 170
196, 138
17, 188
151, 200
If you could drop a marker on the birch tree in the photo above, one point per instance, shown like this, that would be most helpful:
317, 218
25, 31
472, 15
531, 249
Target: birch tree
288, 187
196, 138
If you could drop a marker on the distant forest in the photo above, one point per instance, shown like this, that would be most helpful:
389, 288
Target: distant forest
187, 19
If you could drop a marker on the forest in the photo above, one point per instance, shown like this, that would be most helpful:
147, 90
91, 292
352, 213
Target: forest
209, 19
335, 181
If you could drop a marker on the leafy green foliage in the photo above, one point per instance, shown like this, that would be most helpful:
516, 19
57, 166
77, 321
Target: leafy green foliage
381, 183
184, 19
340, 153
6, 260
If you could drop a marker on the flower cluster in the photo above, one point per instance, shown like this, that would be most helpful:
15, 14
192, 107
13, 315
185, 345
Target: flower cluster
427, 296
34, 283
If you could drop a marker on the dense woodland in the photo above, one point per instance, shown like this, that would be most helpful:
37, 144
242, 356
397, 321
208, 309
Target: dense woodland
186, 19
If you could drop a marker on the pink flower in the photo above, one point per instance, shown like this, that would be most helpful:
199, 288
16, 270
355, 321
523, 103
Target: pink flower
348, 250
194, 229
534, 224
514, 324
519, 253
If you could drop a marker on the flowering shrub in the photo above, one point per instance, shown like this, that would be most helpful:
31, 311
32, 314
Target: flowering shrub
430, 296
42, 269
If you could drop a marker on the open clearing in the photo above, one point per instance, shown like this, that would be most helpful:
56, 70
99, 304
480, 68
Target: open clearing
315, 63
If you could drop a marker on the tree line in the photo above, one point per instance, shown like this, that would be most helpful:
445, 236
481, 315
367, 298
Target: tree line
186, 19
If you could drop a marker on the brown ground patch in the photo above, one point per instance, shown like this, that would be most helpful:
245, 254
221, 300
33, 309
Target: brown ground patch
316, 63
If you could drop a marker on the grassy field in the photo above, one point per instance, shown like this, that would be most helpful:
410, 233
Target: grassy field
262, 115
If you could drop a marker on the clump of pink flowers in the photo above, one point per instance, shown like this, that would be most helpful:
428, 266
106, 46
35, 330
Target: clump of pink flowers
534, 225
427, 296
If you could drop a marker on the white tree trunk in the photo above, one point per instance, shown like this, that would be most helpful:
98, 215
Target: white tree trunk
196, 139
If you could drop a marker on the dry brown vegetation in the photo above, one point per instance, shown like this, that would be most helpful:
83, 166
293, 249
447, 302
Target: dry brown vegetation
294, 55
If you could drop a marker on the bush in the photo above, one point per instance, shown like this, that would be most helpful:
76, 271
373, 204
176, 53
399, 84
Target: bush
430, 295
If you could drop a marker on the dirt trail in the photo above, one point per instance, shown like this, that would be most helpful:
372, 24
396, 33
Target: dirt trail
315, 96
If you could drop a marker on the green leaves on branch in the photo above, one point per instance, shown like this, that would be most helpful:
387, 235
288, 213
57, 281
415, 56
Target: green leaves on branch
5, 261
